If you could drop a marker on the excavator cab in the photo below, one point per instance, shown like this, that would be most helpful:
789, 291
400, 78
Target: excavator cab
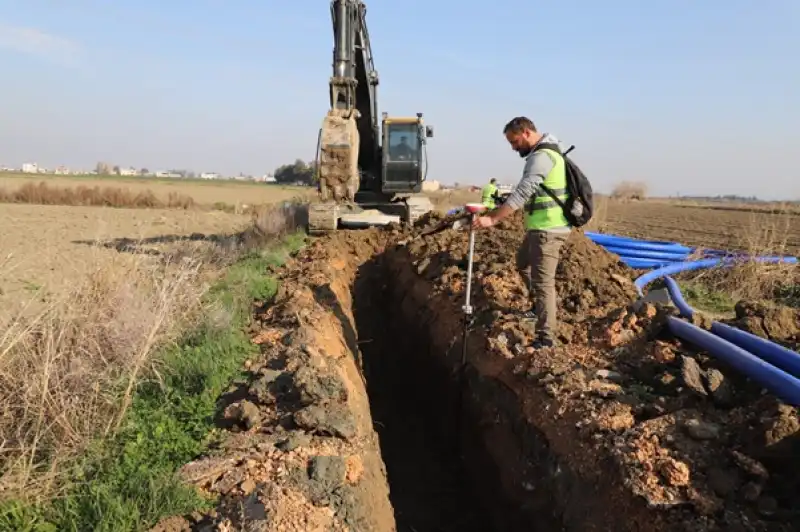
404, 154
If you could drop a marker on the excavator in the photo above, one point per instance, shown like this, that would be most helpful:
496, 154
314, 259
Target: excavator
370, 170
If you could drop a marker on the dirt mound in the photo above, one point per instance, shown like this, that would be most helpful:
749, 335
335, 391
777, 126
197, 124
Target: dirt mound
590, 281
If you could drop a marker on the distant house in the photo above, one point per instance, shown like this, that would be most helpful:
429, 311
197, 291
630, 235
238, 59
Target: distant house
128, 171
210, 175
30, 168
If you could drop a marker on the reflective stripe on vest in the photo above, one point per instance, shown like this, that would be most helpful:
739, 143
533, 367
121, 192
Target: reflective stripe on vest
487, 195
541, 211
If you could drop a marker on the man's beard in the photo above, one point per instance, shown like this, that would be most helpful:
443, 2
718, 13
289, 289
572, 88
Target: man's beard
524, 152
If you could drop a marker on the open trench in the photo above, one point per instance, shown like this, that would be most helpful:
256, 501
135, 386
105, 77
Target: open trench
441, 477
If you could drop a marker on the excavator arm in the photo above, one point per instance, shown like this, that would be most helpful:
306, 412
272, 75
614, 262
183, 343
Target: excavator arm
350, 136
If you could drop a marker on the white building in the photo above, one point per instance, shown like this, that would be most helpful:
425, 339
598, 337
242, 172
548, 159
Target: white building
128, 171
209, 175
30, 168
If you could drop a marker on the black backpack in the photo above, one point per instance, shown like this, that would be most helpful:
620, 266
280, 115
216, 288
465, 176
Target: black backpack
578, 189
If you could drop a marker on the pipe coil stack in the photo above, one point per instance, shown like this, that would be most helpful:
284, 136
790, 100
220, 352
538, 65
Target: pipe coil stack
773, 366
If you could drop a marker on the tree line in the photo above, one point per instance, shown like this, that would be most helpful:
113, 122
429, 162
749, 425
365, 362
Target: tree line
297, 172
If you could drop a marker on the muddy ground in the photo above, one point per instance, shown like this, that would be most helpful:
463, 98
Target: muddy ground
353, 418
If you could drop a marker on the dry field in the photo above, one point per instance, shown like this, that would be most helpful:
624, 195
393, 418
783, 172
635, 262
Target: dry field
704, 225
771, 228
204, 193
44, 248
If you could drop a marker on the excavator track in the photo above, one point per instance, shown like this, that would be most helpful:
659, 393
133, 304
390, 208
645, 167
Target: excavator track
323, 218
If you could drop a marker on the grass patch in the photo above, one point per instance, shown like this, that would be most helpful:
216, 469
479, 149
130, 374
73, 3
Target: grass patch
127, 482
707, 299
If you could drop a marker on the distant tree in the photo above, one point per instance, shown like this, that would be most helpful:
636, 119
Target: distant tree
628, 190
144, 171
116, 170
101, 168
298, 172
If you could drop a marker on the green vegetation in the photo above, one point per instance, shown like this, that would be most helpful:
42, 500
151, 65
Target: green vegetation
128, 482
707, 299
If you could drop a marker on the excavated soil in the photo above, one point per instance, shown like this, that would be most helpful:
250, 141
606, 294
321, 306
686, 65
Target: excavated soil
780, 324
357, 416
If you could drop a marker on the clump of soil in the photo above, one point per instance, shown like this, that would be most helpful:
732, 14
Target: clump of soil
777, 323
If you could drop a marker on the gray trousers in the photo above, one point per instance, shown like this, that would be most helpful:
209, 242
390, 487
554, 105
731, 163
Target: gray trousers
539, 253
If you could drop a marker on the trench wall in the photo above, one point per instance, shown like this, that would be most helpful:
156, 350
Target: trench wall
523, 452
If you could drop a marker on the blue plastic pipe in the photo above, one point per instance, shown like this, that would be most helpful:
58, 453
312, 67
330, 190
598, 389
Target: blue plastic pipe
670, 269
777, 355
648, 254
630, 243
772, 366
784, 386
644, 264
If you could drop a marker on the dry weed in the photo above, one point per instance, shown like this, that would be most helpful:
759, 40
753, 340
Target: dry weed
44, 194
599, 220
68, 371
764, 236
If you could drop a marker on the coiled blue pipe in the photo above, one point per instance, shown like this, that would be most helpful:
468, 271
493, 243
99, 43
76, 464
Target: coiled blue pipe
772, 366
648, 254
775, 354
780, 383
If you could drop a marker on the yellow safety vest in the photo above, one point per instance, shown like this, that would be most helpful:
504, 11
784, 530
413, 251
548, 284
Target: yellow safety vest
487, 195
541, 211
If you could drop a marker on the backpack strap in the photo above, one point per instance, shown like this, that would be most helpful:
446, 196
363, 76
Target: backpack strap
554, 147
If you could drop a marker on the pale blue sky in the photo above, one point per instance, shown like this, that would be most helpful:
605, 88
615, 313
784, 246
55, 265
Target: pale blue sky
693, 96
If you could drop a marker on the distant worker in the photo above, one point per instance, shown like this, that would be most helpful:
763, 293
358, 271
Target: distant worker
402, 150
489, 195
546, 226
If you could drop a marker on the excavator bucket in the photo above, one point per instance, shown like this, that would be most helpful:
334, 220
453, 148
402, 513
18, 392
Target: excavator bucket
338, 157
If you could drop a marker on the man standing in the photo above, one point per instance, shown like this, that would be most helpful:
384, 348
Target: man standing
546, 227
489, 194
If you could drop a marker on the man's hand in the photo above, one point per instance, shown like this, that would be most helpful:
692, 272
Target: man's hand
482, 221
493, 217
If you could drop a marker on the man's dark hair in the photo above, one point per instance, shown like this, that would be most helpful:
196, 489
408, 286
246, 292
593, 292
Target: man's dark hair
493, 181
519, 124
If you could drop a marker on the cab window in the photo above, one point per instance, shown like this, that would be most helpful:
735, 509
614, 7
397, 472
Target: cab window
403, 143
